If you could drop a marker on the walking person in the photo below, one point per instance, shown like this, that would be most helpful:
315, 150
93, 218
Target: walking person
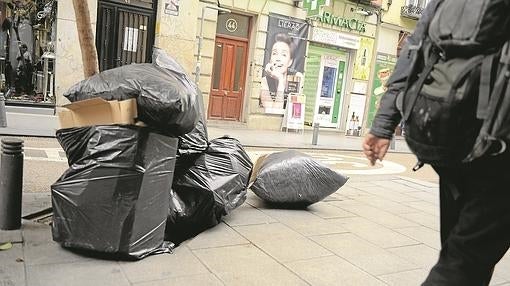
474, 195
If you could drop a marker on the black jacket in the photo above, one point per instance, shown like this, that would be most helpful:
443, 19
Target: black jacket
388, 116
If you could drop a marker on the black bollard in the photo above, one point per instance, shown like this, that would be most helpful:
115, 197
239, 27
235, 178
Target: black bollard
315, 134
11, 182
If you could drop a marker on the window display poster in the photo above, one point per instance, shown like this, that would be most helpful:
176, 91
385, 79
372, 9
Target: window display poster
355, 115
284, 58
384, 66
294, 118
363, 59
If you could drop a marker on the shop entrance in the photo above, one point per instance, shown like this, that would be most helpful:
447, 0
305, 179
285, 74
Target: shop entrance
325, 85
229, 70
125, 32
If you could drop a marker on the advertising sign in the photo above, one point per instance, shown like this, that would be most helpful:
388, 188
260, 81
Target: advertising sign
284, 60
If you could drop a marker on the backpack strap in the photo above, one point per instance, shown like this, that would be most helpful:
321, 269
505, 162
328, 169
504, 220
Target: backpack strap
485, 87
501, 89
410, 98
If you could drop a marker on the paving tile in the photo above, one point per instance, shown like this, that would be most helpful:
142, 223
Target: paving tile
410, 181
180, 263
351, 202
35, 153
194, 280
360, 184
35, 201
220, 235
281, 242
375, 233
49, 252
12, 273
9, 257
247, 215
12, 236
246, 265
379, 216
332, 270
104, 273
326, 210
350, 191
426, 207
396, 186
304, 222
431, 197
36, 232
424, 219
421, 255
385, 204
405, 278
338, 196
422, 234
390, 194
369, 257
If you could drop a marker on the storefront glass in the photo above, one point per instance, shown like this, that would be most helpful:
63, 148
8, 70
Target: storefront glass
27, 54
324, 84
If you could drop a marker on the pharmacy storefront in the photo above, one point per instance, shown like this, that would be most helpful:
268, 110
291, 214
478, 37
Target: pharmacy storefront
338, 65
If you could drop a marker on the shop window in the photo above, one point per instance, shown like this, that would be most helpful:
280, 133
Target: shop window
27, 51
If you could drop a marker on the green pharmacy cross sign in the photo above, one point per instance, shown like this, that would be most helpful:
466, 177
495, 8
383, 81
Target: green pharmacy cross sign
313, 7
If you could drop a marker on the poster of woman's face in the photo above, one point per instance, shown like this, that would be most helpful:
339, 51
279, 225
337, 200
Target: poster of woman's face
284, 60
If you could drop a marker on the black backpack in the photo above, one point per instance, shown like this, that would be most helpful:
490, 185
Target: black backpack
448, 94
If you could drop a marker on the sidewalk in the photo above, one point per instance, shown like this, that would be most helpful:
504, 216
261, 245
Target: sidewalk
376, 230
373, 231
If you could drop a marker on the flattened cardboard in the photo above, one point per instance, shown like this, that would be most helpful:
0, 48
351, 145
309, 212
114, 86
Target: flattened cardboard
97, 111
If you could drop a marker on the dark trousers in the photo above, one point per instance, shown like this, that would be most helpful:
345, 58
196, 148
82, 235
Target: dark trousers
475, 222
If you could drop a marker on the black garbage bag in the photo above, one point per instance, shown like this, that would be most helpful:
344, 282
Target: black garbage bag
293, 179
196, 141
166, 96
207, 188
114, 197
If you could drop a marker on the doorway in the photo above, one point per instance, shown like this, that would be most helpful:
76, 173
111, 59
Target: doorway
228, 79
125, 32
324, 86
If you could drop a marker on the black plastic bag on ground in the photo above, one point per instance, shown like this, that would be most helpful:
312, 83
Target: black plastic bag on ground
207, 188
166, 96
113, 199
291, 178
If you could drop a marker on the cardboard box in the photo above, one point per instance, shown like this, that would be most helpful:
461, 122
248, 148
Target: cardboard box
97, 111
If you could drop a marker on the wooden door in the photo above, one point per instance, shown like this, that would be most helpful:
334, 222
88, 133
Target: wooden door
228, 79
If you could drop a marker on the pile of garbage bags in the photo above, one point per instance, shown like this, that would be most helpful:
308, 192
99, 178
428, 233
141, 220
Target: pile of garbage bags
132, 191
293, 179
207, 188
135, 190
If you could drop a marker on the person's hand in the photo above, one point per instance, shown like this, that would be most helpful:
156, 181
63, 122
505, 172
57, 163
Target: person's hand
375, 147
276, 70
